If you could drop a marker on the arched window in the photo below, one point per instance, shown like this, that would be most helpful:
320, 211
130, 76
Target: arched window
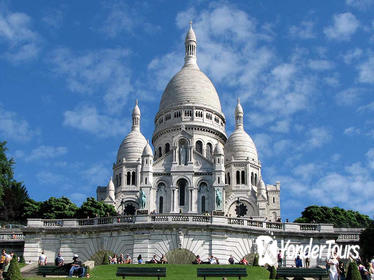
146, 180
256, 179
238, 177
161, 205
128, 178
199, 146
203, 208
219, 180
243, 177
273, 199
228, 178
120, 179
116, 181
159, 151
133, 179
167, 148
252, 179
209, 150
182, 183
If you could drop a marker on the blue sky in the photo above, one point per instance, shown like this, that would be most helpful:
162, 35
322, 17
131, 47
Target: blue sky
70, 73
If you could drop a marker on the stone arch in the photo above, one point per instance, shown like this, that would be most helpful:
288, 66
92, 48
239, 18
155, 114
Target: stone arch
180, 256
167, 148
234, 201
182, 185
199, 146
128, 207
99, 256
203, 197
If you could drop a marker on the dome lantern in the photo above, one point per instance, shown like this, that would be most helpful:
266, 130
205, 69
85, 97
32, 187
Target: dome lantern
239, 115
136, 117
190, 48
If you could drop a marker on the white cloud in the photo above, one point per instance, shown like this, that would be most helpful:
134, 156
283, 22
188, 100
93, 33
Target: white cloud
367, 107
49, 178
282, 126
13, 127
87, 118
370, 158
349, 96
22, 43
123, 18
320, 65
351, 130
303, 31
53, 18
352, 55
97, 174
366, 71
317, 137
360, 4
306, 171
96, 72
343, 27
46, 152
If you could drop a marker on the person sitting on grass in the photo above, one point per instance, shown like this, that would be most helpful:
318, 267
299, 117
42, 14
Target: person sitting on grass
128, 259
243, 261
231, 260
42, 259
213, 260
140, 259
163, 259
76, 265
120, 259
197, 260
114, 259
59, 261
153, 260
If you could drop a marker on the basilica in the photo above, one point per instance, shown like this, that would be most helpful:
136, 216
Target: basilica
194, 168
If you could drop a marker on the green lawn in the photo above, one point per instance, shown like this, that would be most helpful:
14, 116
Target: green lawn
173, 272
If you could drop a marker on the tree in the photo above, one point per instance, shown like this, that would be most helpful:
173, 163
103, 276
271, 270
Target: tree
58, 208
335, 215
93, 208
14, 198
352, 272
255, 260
105, 258
367, 243
14, 272
31, 209
6, 169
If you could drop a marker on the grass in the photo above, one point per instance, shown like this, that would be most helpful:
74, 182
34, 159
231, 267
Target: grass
173, 272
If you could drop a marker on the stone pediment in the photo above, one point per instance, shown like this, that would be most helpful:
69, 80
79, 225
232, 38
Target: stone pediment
201, 163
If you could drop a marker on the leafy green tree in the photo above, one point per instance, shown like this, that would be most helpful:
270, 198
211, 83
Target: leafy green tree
6, 169
333, 215
255, 260
93, 208
14, 198
31, 209
58, 208
14, 272
367, 243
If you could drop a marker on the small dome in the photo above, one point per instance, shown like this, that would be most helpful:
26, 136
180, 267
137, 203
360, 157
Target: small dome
240, 146
110, 185
190, 36
190, 86
132, 146
239, 108
147, 151
136, 110
218, 150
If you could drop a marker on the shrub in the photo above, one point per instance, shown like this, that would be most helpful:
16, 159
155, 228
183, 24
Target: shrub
106, 258
255, 260
21, 259
14, 272
273, 272
352, 272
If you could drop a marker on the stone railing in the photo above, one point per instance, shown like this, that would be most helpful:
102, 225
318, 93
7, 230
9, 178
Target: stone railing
188, 219
11, 237
348, 234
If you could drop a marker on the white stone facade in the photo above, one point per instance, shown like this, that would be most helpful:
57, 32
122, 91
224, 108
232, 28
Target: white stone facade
194, 168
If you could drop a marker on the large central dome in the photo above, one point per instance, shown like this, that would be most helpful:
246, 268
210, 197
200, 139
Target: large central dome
190, 86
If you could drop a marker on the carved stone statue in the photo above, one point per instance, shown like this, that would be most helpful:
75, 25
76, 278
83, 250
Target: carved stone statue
218, 198
182, 155
142, 199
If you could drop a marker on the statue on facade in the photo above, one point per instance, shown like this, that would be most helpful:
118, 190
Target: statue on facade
142, 199
182, 155
218, 198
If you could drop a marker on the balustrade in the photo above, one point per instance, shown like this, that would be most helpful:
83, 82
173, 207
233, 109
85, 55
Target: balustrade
308, 227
